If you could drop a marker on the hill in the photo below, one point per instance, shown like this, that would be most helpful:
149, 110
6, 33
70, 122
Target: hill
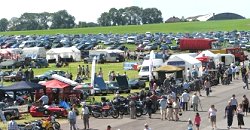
223, 25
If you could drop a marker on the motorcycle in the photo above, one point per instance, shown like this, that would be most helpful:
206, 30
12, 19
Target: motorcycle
105, 111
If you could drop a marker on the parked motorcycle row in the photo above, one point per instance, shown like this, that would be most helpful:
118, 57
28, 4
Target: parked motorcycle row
119, 107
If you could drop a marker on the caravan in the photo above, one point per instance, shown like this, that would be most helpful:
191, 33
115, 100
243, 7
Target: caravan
144, 72
104, 55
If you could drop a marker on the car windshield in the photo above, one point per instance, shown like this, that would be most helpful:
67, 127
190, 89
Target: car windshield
47, 73
145, 69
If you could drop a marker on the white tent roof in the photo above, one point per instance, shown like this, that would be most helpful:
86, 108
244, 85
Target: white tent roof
206, 53
63, 50
186, 58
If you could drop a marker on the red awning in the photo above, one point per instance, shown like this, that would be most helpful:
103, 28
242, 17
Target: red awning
203, 59
55, 84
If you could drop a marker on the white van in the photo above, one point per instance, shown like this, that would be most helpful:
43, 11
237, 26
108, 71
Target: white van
144, 68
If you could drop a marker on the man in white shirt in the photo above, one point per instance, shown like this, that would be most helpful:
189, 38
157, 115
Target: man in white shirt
85, 114
44, 99
185, 99
195, 101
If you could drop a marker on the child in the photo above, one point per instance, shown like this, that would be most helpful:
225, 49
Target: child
190, 124
197, 121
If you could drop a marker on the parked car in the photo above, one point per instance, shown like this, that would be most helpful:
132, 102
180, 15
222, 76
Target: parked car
37, 111
136, 83
14, 76
48, 75
40, 63
9, 112
151, 47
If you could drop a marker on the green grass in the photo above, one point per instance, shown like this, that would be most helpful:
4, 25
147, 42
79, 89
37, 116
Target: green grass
221, 25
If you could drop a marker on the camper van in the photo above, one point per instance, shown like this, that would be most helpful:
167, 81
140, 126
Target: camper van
227, 59
144, 68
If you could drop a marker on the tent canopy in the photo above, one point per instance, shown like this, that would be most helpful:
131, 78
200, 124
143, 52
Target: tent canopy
23, 86
168, 68
206, 53
186, 58
55, 84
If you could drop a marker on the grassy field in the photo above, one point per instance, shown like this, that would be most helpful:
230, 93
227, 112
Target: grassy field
222, 25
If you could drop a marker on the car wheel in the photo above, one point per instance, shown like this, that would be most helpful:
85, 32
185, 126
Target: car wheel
8, 117
46, 112
13, 80
45, 79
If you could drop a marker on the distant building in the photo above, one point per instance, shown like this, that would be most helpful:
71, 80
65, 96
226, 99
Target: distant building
173, 20
226, 16
221, 16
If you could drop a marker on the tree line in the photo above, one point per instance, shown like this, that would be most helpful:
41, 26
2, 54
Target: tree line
62, 19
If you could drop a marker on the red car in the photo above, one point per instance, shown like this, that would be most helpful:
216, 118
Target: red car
37, 111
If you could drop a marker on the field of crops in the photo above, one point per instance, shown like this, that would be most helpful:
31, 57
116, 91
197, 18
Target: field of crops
223, 25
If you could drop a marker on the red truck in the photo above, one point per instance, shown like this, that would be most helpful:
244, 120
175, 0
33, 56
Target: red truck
196, 44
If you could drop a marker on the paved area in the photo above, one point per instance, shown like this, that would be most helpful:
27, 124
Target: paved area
219, 97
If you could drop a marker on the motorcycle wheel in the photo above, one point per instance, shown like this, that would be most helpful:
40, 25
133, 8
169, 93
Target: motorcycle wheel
95, 115
144, 111
115, 114
56, 125
50, 128
138, 113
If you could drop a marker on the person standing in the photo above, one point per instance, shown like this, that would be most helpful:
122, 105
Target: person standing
85, 114
132, 108
237, 72
207, 86
79, 70
245, 80
197, 121
87, 71
240, 115
212, 115
195, 100
44, 99
72, 119
12, 125
163, 105
185, 99
189, 76
83, 71
149, 104
176, 108
170, 109
229, 113
245, 103
190, 124
234, 102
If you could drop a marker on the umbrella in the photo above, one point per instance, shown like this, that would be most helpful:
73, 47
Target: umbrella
83, 87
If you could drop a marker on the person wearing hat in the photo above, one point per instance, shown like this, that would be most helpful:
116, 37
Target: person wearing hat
85, 114
147, 127
163, 105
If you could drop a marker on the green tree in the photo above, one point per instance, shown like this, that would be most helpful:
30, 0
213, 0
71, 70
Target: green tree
62, 19
151, 15
105, 19
14, 23
4, 24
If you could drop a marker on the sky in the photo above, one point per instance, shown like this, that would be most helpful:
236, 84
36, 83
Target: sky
90, 10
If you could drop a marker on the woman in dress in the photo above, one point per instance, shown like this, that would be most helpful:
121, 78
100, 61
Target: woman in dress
240, 115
